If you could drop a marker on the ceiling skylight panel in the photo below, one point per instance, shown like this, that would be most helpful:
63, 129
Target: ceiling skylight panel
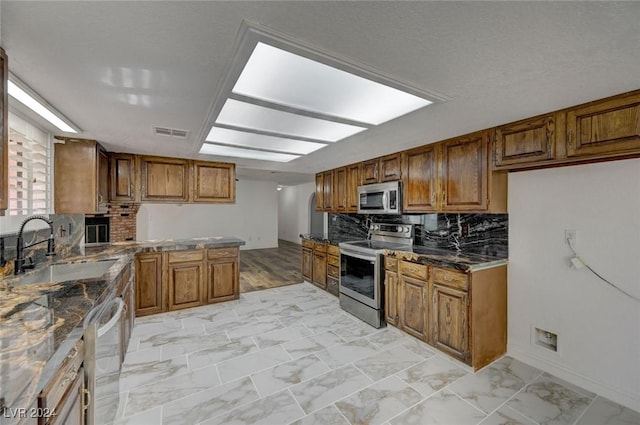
282, 77
219, 150
260, 141
247, 115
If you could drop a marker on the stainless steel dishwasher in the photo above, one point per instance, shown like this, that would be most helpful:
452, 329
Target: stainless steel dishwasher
103, 346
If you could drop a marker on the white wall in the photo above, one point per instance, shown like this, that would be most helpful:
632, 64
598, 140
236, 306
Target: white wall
253, 218
598, 327
293, 211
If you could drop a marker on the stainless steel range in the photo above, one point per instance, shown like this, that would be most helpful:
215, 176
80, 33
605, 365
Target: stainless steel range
362, 270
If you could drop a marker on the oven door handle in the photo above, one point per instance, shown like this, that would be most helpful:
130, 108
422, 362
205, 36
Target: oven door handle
385, 201
357, 255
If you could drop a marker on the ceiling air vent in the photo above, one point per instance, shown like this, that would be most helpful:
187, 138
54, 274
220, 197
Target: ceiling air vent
171, 132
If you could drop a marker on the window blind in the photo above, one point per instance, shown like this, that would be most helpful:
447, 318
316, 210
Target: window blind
29, 169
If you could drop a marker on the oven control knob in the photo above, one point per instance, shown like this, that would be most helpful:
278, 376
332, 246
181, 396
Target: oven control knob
406, 229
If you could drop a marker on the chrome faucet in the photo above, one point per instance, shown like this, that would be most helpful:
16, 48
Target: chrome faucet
19, 265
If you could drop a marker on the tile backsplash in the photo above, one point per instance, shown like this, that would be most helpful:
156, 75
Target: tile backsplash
472, 233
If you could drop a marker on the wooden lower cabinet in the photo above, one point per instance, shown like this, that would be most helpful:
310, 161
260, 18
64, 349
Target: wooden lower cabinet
414, 307
61, 402
461, 314
320, 269
223, 275
185, 284
450, 321
183, 279
149, 287
307, 263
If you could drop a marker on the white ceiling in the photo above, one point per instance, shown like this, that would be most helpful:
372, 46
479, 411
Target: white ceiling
117, 69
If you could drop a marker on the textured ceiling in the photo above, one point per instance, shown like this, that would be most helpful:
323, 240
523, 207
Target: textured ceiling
117, 69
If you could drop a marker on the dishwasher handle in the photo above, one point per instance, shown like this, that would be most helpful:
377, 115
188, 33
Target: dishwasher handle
115, 319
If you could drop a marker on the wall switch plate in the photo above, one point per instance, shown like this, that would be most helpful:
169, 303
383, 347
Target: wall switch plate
570, 236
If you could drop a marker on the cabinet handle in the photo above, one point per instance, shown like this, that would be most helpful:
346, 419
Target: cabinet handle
87, 394
433, 198
74, 354
569, 141
448, 279
69, 378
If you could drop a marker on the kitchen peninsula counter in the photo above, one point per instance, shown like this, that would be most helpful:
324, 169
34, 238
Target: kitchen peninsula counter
447, 258
41, 322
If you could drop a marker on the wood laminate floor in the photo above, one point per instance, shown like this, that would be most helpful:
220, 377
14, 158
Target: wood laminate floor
271, 267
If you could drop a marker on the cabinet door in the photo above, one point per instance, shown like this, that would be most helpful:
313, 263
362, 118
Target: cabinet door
149, 297
103, 177
76, 176
319, 192
4, 133
164, 179
70, 410
354, 176
419, 179
391, 297
464, 176
222, 279
307, 264
184, 284
606, 127
328, 191
390, 168
370, 171
413, 307
525, 142
214, 182
122, 177
320, 269
340, 189
450, 321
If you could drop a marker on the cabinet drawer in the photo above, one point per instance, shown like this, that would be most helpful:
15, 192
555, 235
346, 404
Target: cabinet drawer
320, 247
221, 253
184, 256
307, 244
333, 260
63, 379
391, 264
450, 278
333, 250
419, 271
333, 271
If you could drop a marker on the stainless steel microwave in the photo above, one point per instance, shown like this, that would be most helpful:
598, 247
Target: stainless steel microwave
381, 198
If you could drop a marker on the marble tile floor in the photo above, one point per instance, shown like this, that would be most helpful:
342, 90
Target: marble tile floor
290, 355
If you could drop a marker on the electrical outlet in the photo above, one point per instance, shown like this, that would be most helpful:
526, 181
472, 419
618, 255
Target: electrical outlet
570, 237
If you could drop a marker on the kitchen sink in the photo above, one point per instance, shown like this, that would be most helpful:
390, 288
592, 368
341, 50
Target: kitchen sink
65, 272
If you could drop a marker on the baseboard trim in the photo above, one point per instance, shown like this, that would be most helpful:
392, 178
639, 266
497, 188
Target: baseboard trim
630, 400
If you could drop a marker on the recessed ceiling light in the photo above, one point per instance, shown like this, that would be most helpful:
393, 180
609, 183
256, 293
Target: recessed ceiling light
282, 77
261, 141
247, 115
210, 149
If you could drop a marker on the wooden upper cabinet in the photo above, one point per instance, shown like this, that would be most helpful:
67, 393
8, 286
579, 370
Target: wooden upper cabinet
327, 198
354, 178
525, 142
370, 171
4, 133
164, 179
604, 128
320, 192
214, 182
81, 175
122, 174
390, 168
464, 171
419, 179
340, 189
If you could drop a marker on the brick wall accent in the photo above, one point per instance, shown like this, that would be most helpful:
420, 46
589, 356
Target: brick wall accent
122, 222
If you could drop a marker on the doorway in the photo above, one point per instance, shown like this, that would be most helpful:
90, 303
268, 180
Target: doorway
316, 218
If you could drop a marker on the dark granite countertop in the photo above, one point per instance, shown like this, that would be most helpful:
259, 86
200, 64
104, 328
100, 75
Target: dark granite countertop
465, 262
319, 237
41, 322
